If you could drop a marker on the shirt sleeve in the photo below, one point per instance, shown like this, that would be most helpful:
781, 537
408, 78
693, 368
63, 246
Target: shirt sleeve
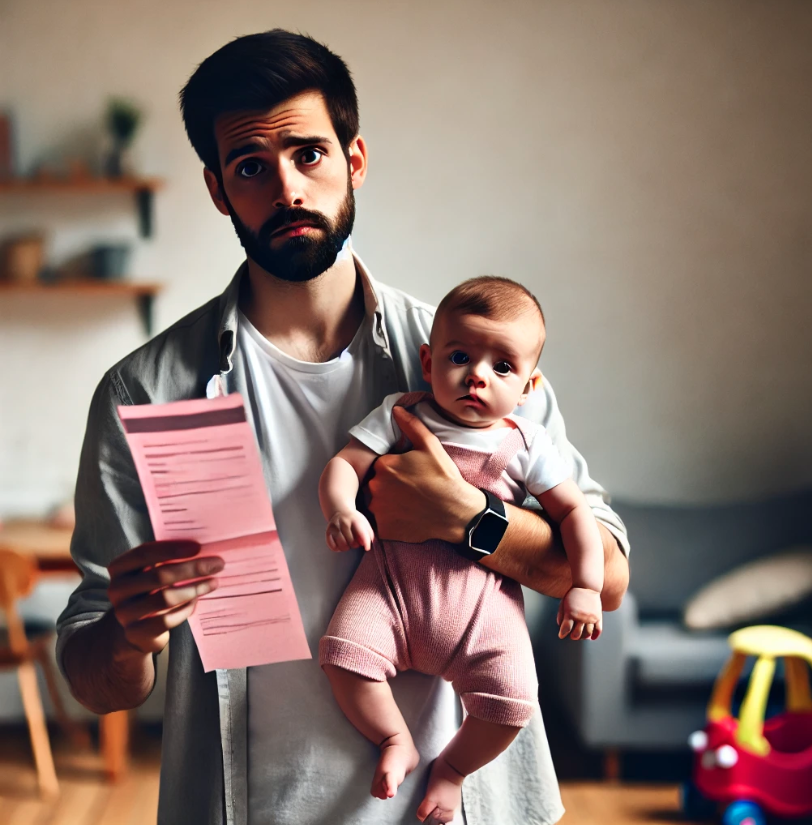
111, 513
546, 467
542, 408
378, 430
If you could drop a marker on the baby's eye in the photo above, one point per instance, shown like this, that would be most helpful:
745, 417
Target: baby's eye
459, 358
502, 368
249, 169
310, 157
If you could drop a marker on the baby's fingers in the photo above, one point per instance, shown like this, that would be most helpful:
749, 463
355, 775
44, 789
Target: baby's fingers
598, 629
336, 540
565, 627
577, 631
362, 532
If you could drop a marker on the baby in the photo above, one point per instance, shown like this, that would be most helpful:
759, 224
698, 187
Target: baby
427, 607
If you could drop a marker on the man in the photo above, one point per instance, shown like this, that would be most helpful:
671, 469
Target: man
313, 344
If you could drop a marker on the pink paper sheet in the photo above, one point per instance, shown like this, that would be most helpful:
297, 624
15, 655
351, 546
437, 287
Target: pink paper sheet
201, 475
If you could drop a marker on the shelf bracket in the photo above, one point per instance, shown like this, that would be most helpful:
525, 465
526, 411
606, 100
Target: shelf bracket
143, 201
145, 304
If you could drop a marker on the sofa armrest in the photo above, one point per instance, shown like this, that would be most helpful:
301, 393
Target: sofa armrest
591, 679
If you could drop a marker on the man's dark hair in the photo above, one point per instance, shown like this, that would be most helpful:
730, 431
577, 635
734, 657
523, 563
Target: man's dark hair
259, 71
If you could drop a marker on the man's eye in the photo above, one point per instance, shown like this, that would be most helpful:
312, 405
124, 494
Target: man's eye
459, 358
310, 157
249, 169
502, 368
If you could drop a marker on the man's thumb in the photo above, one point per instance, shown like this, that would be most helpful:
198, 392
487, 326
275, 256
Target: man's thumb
413, 428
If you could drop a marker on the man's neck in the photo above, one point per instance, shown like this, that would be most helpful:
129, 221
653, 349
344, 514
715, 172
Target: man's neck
310, 321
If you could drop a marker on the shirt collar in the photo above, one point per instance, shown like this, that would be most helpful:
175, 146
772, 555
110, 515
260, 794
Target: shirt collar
229, 315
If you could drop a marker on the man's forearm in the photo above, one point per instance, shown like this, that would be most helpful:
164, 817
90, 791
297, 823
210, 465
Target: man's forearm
531, 553
104, 671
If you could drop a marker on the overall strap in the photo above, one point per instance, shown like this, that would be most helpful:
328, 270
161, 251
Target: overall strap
517, 439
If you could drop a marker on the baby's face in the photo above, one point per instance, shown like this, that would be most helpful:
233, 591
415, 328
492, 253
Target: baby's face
479, 369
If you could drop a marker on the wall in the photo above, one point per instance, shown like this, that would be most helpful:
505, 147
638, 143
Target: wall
644, 166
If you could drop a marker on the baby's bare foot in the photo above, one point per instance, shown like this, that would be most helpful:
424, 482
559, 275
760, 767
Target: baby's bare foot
399, 757
444, 794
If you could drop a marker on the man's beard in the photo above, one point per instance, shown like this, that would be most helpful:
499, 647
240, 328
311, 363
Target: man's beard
303, 257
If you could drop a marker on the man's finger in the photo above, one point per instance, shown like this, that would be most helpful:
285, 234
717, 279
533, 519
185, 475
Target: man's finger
146, 634
169, 598
151, 553
123, 587
415, 430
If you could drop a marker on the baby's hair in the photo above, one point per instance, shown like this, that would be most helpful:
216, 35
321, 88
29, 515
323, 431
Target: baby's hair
491, 296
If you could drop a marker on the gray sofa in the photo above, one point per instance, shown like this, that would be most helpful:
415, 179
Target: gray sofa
644, 685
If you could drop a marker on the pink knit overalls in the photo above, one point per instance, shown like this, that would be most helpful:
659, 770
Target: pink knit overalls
425, 607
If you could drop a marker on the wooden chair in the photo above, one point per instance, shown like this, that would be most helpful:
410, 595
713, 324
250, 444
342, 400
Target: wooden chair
17, 577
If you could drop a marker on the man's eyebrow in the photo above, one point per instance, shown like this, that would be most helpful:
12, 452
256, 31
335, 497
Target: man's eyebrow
303, 140
287, 142
241, 151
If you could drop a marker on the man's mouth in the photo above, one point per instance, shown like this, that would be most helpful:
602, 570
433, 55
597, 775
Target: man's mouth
297, 228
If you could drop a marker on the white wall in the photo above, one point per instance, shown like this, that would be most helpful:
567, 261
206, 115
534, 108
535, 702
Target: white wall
644, 165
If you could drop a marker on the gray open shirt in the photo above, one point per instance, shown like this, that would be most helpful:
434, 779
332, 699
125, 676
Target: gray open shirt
200, 783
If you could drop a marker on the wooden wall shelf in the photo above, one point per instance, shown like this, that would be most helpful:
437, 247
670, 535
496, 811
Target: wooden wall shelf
142, 188
143, 292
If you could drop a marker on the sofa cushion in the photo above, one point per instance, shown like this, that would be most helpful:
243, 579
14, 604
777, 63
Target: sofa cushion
678, 549
664, 654
753, 591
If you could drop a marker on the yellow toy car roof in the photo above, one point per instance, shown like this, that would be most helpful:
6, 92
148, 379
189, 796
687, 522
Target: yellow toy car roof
772, 641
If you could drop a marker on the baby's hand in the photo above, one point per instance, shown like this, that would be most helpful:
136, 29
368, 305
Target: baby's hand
349, 529
580, 614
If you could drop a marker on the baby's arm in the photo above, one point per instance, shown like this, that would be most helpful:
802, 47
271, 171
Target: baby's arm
338, 487
580, 611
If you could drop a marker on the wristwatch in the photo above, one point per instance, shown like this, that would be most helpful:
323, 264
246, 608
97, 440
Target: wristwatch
485, 530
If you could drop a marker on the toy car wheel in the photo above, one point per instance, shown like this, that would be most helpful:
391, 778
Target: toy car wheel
743, 812
695, 806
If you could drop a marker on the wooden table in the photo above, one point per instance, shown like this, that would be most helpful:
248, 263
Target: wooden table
49, 547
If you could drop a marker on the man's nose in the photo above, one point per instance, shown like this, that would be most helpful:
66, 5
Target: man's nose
290, 189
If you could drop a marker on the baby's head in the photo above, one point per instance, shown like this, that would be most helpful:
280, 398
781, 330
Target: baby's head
484, 349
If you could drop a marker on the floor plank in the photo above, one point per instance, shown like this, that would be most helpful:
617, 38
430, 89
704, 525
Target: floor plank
86, 799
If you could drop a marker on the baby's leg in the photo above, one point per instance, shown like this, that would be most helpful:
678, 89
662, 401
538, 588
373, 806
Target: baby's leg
475, 744
371, 707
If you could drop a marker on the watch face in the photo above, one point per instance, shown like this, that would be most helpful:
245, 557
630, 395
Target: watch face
488, 532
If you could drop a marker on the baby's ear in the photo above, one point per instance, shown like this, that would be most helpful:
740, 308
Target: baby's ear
425, 362
534, 382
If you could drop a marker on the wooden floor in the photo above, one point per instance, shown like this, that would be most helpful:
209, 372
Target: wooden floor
87, 800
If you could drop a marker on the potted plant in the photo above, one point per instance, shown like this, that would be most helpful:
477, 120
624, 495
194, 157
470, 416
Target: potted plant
123, 118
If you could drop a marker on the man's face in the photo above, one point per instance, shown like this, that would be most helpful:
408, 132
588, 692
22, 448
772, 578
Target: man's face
287, 186
481, 369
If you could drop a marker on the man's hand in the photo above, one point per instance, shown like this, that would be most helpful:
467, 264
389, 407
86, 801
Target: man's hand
421, 495
155, 586
348, 529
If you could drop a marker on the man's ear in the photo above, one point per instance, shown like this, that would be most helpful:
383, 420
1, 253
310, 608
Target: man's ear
534, 382
357, 152
425, 362
215, 190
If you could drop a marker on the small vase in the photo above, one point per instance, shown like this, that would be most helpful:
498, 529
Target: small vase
115, 166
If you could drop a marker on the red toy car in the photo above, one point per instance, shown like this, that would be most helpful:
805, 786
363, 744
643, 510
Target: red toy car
747, 766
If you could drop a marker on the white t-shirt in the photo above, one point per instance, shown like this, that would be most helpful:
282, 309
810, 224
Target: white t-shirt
306, 763
532, 470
